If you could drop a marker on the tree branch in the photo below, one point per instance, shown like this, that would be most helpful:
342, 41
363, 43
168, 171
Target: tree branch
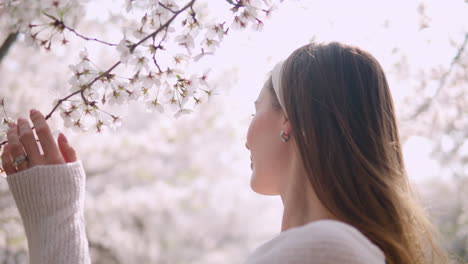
132, 47
167, 8
7, 44
163, 26
82, 89
442, 82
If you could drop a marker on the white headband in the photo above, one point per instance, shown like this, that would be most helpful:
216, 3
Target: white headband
276, 80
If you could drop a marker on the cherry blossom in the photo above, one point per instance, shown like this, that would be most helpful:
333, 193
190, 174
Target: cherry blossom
154, 104
186, 41
116, 122
210, 45
124, 50
183, 112
216, 30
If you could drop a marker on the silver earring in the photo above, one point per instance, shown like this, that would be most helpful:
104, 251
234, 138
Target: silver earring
284, 137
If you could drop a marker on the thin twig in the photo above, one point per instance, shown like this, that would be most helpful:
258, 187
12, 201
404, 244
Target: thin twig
163, 26
167, 8
158, 47
76, 33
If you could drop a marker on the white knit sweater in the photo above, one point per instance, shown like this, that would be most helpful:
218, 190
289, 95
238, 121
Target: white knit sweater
50, 199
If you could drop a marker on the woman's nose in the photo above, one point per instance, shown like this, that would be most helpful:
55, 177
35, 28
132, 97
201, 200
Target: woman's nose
247, 146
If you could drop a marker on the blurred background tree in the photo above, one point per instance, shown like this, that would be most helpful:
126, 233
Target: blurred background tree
162, 190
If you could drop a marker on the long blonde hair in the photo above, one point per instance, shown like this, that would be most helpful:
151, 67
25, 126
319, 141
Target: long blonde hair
338, 97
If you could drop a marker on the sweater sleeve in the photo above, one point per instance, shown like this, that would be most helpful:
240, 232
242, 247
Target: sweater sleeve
50, 199
324, 242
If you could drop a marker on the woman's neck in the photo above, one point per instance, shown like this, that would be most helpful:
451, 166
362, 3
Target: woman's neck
301, 204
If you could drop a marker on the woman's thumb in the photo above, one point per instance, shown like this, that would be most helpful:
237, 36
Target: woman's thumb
68, 153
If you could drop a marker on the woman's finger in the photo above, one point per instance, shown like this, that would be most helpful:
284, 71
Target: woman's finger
7, 161
16, 148
69, 154
49, 147
26, 136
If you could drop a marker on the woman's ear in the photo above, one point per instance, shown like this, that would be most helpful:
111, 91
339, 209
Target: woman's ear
287, 128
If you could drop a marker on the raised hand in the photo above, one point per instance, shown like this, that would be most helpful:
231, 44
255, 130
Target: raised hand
22, 151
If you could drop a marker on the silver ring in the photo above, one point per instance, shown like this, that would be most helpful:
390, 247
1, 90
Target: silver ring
18, 160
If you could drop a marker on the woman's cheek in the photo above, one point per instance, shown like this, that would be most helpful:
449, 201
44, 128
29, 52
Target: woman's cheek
251, 133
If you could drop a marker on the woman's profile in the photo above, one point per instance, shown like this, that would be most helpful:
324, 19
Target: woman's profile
324, 137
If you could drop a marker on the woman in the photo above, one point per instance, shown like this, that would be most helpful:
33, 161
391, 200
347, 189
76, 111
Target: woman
324, 138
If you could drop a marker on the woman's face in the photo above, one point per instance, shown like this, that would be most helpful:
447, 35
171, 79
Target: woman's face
269, 154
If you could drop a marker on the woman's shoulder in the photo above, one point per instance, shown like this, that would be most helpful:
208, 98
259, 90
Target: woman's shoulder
319, 242
329, 230
335, 233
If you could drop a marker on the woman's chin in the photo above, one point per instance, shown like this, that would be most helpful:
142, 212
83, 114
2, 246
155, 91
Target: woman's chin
260, 188
253, 183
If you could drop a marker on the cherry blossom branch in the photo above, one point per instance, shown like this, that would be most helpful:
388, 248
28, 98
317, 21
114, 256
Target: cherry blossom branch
155, 49
238, 4
88, 85
167, 8
163, 26
7, 44
107, 72
59, 24
443, 80
60, 101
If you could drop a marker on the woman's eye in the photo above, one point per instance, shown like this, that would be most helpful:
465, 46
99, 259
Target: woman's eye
253, 115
